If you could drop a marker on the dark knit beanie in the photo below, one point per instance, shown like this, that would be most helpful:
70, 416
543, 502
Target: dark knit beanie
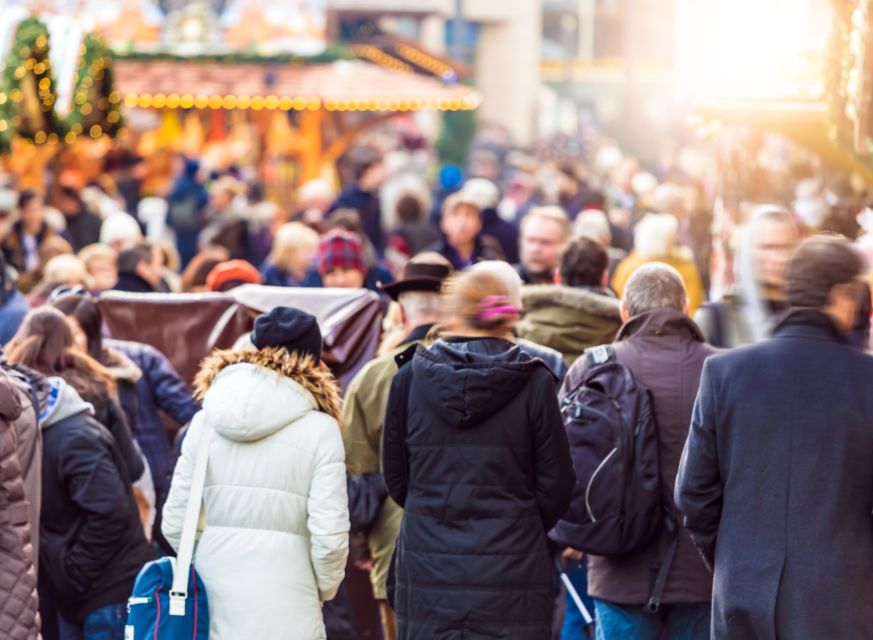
293, 329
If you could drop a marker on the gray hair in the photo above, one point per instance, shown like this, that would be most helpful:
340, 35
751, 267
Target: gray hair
654, 286
420, 304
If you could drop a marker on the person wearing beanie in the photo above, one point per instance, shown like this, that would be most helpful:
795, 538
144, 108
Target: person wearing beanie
341, 260
275, 500
231, 274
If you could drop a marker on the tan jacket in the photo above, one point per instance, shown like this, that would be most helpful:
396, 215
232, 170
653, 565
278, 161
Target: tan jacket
19, 607
363, 419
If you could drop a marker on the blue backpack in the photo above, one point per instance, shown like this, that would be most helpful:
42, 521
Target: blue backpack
169, 600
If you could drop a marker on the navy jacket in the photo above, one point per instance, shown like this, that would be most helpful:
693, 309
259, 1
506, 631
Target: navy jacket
368, 207
475, 452
159, 389
776, 484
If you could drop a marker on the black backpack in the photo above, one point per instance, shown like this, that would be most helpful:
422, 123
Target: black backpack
618, 505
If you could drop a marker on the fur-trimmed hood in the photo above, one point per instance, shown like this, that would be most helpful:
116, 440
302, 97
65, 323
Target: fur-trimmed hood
549, 296
250, 394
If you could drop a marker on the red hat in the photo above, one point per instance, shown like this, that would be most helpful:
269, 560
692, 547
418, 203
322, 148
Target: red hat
232, 271
340, 250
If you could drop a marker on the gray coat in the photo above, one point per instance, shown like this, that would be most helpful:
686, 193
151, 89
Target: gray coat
776, 484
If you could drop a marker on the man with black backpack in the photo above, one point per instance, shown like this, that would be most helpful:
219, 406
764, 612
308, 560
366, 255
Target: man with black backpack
627, 408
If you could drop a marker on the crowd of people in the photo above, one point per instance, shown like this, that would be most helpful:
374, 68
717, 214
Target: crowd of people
456, 469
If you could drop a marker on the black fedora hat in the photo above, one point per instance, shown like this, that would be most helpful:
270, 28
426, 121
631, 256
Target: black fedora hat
418, 276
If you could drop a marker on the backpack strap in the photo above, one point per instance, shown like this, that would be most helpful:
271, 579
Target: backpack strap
654, 603
596, 356
182, 568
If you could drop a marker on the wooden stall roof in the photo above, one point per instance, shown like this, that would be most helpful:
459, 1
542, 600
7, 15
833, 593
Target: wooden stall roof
346, 85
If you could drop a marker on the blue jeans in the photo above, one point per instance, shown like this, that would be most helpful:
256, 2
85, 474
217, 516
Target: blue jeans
573, 627
630, 622
105, 623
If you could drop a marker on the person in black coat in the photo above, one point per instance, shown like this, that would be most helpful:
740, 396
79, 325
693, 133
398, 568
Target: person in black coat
475, 451
363, 197
776, 480
92, 544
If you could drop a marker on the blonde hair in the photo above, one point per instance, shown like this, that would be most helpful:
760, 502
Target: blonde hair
478, 301
66, 269
655, 236
289, 239
97, 251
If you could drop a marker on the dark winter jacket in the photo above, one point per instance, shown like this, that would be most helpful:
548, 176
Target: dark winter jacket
506, 233
19, 609
665, 352
479, 459
368, 207
485, 248
83, 229
110, 414
92, 542
274, 276
776, 484
160, 388
132, 283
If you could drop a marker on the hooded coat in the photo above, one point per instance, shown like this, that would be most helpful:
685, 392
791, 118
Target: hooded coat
475, 452
776, 485
568, 319
91, 541
30, 385
19, 609
275, 540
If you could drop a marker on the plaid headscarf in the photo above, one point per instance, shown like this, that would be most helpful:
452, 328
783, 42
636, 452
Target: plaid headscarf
340, 250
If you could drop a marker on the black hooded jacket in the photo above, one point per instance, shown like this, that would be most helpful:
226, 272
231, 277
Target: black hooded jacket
91, 541
475, 451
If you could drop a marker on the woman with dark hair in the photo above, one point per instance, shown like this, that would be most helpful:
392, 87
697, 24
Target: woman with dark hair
147, 384
45, 343
474, 450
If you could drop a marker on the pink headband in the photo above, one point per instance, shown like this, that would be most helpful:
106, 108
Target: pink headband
494, 306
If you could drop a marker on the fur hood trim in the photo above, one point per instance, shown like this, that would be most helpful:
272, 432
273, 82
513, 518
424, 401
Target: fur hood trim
549, 296
313, 376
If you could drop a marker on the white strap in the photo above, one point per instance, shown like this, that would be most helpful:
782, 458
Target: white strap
182, 568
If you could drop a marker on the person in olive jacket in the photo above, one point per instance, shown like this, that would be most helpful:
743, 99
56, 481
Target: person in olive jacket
475, 451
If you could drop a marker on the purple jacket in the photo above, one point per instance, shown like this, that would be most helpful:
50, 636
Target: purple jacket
665, 351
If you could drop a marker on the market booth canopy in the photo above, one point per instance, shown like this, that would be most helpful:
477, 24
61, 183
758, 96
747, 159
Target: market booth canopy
345, 85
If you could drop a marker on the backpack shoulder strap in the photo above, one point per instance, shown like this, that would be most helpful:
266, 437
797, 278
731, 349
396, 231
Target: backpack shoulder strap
602, 354
182, 568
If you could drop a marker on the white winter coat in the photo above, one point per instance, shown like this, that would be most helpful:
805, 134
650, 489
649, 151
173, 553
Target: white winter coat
275, 541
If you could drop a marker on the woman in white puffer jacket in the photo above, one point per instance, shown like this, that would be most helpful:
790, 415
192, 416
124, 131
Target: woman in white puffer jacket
275, 541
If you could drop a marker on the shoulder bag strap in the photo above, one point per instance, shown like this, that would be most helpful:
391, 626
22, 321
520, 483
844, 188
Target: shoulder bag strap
182, 568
